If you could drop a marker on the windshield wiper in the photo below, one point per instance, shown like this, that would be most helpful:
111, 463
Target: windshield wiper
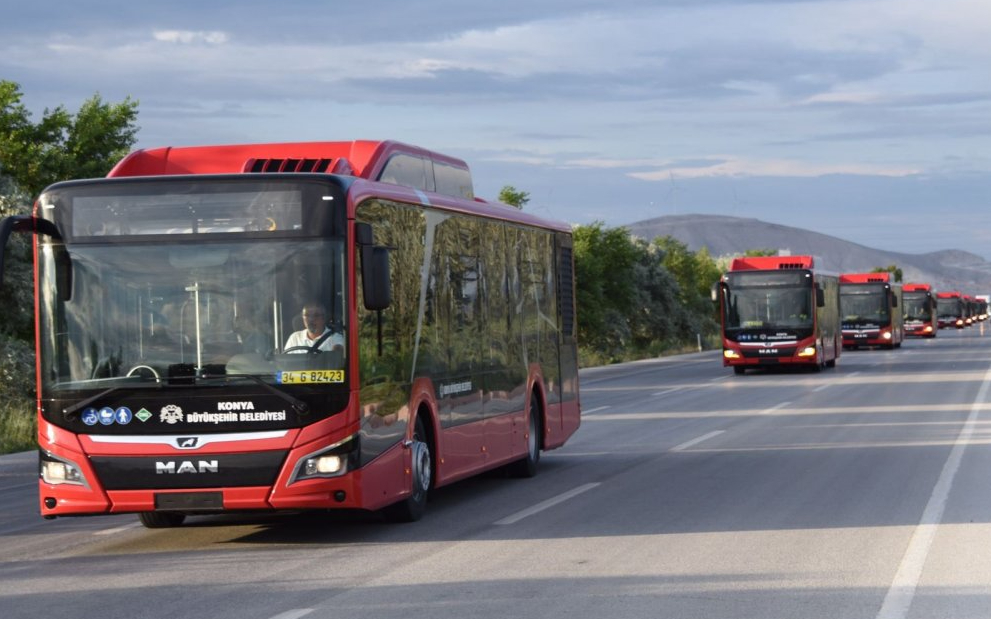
70, 411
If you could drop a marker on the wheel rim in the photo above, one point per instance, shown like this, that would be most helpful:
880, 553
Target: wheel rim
421, 468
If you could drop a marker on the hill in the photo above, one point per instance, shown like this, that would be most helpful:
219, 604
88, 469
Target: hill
730, 236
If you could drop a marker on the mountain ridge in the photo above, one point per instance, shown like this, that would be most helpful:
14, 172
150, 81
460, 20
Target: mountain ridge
723, 235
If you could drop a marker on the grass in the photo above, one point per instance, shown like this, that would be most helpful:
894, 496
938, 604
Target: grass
589, 357
18, 426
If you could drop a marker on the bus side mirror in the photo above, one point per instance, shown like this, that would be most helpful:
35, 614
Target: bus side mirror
32, 225
714, 292
820, 296
375, 276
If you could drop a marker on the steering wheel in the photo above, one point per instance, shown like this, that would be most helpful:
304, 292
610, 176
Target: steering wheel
144, 371
309, 349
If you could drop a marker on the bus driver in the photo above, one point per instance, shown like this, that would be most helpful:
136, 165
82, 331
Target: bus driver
315, 335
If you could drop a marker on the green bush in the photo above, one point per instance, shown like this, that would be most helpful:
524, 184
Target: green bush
18, 422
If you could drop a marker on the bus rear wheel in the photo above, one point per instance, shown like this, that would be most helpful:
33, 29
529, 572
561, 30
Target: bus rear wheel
161, 520
527, 465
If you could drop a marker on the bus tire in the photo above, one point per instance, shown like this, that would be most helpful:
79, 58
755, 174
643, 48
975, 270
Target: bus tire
412, 507
527, 465
161, 520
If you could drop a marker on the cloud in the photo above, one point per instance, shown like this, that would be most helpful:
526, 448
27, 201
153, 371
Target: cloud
188, 37
738, 167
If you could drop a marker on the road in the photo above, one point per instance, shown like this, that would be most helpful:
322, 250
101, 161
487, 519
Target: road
689, 492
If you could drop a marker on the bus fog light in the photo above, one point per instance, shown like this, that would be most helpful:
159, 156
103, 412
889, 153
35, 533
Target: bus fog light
323, 465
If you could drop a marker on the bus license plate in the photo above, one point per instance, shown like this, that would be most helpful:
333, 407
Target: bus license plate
309, 377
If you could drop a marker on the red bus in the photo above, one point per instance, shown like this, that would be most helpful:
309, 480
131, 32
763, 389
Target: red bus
919, 310
778, 310
951, 310
870, 304
167, 293
970, 309
982, 306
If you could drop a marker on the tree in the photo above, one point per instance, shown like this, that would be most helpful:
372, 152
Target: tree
513, 197
605, 289
62, 145
695, 272
895, 271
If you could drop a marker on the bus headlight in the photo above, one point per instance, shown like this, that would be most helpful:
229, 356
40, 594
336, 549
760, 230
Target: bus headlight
928, 329
808, 351
323, 465
731, 354
57, 471
332, 461
886, 335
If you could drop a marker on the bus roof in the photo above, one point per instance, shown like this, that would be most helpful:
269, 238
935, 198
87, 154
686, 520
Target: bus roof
765, 263
948, 295
865, 278
917, 288
361, 158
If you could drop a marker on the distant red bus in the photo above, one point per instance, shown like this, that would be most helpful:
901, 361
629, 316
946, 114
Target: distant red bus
438, 332
951, 310
870, 304
778, 310
919, 310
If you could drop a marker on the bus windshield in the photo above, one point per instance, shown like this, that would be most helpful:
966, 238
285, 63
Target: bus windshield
949, 308
862, 304
769, 301
917, 306
166, 307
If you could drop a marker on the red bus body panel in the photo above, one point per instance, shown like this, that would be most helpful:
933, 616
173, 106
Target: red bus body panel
890, 335
461, 451
793, 353
920, 327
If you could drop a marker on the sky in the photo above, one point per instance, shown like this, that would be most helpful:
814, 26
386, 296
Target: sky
869, 120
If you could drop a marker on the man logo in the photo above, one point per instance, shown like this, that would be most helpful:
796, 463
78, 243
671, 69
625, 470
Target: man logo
186, 466
187, 442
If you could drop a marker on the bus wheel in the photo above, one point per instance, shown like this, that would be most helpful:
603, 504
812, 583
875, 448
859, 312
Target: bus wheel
412, 507
527, 465
161, 520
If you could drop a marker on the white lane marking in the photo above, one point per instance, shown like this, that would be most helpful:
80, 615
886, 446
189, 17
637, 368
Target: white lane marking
593, 410
898, 600
295, 613
126, 527
666, 391
716, 380
852, 374
696, 441
551, 502
774, 408
821, 387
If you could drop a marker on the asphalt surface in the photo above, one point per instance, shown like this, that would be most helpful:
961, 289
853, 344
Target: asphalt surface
859, 492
